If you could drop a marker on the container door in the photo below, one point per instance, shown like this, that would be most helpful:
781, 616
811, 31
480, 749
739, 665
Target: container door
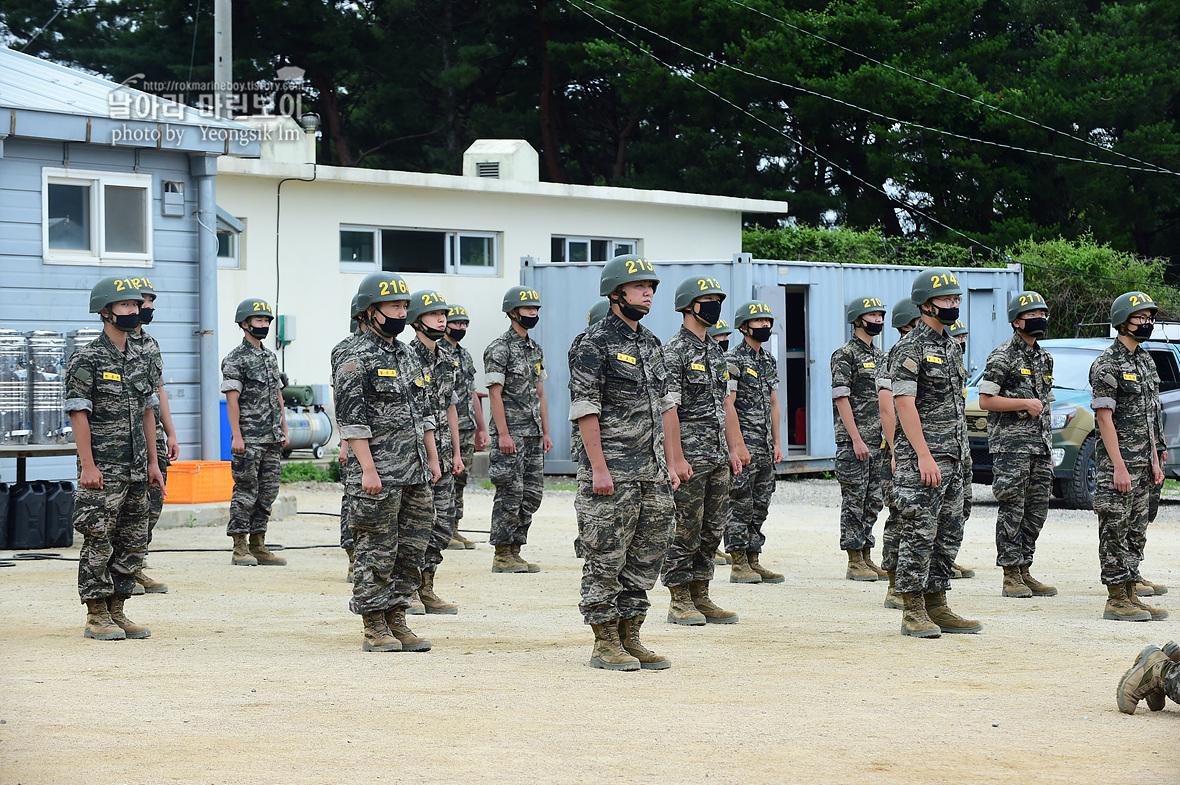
789, 345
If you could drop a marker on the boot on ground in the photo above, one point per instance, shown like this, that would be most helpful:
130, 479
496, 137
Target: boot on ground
767, 576
1157, 614
130, 628
959, 571
150, 585
1036, 587
529, 566
1156, 700
468, 545
892, 598
378, 636
741, 572
1145, 588
138, 590
629, 635
396, 619
914, 620
454, 544
259, 551
504, 561
608, 653
416, 607
867, 554
947, 620
713, 613
351, 561
1014, 585
1146, 677
857, 569
432, 602
722, 558
242, 556
1120, 608
99, 624
682, 610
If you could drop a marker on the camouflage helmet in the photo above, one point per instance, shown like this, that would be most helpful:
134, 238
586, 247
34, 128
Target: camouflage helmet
1023, 302
934, 282
958, 328
146, 289
695, 286
354, 309
519, 296
381, 288
425, 301
1120, 310
457, 313
751, 309
253, 307
859, 306
904, 313
625, 269
354, 324
114, 289
721, 328
598, 311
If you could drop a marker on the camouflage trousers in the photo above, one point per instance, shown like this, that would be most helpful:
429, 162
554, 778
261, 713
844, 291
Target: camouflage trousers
968, 479
1172, 683
891, 532
256, 486
624, 537
749, 503
113, 524
390, 536
1022, 486
467, 453
346, 540
1122, 522
520, 481
700, 521
156, 498
443, 529
861, 496
931, 525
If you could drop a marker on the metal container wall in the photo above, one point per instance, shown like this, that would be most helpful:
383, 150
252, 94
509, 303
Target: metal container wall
47, 359
14, 387
308, 429
76, 339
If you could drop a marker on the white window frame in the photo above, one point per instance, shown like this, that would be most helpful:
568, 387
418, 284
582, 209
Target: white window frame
234, 260
614, 242
97, 182
451, 238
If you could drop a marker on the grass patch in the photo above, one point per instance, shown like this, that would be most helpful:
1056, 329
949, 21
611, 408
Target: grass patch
306, 471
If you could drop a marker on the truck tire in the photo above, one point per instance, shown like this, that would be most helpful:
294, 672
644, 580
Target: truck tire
1078, 489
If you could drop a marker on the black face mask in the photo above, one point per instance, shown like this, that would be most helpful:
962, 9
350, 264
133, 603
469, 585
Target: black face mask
430, 332
724, 345
260, 332
127, 322
708, 312
760, 334
1036, 327
1141, 332
873, 328
146, 315
528, 322
946, 315
385, 326
457, 334
963, 348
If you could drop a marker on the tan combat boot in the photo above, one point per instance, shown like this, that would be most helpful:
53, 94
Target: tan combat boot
467, 544
914, 620
1014, 585
130, 628
396, 619
529, 566
713, 613
682, 610
259, 551
959, 571
351, 561
378, 636
432, 602
503, 561
629, 636
99, 624
766, 575
454, 545
867, 553
741, 572
1156, 700
857, 569
416, 607
1036, 587
608, 652
722, 558
1119, 608
242, 556
149, 585
947, 620
1145, 588
1157, 614
892, 598
1144, 679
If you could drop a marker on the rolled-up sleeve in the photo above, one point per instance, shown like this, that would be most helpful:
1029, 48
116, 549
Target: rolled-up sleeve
351, 412
495, 363
987, 387
904, 375
841, 392
675, 372
1103, 384
585, 384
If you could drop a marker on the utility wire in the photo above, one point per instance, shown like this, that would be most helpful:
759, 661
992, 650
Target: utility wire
41, 29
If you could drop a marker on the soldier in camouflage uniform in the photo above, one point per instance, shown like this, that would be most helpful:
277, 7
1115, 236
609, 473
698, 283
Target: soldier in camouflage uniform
927, 382
752, 432
858, 371
514, 369
596, 314
698, 378
720, 333
427, 314
1015, 391
619, 399
355, 328
384, 414
1154, 677
255, 409
109, 398
473, 434
959, 332
1131, 454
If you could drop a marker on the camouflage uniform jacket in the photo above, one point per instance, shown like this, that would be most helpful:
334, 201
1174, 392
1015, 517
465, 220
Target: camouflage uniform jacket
1016, 370
697, 379
381, 397
754, 376
337, 352
929, 368
518, 364
254, 373
150, 348
438, 369
575, 432
618, 374
1128, 384
858, 372
465, 388
115, 389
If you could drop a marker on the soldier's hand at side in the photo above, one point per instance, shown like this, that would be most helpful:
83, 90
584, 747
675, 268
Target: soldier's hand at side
744, 455
1122, 480
481, 439
674, 480
604, 484
173, 449
286, 440
156, 478
370, 482
236, 445
778, 453
682, 469
507, 446
546, 443
91, 478
861, 449
435, 472
1157, 474
735, 463
1034, 407
931, 476
457, 466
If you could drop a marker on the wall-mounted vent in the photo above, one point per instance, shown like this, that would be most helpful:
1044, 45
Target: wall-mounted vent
501, 159
488, 169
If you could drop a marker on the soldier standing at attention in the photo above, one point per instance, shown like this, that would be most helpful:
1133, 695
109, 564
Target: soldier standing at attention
752, 432
695, 434
619, 399
1126, 405
109, 398
597, 313
1015, 391
927, 381
959, 332
514, 369
254, 405
473, 434
383, 412
427, 314
858, 372
167, 447
720, 333
355, 327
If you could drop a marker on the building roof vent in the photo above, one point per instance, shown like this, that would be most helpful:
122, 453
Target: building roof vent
487, 169
503, 159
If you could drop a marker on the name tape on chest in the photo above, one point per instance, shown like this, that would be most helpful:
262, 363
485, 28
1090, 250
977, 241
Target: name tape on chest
392, 372
624, 357
930, 358
868, 365
1130, 377
752, 372
107, 376
1026, 371
697, 367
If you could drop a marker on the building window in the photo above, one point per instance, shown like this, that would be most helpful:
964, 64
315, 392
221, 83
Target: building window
229, 240
96, 218
431, 251
589, 249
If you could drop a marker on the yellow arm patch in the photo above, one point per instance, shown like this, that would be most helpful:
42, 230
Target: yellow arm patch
869, 365
1026, 371
624, 357
111, 377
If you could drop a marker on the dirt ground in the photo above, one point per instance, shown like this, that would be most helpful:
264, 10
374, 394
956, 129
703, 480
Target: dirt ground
256, 675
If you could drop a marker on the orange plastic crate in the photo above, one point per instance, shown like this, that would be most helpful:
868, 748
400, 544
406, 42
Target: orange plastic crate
197, 482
